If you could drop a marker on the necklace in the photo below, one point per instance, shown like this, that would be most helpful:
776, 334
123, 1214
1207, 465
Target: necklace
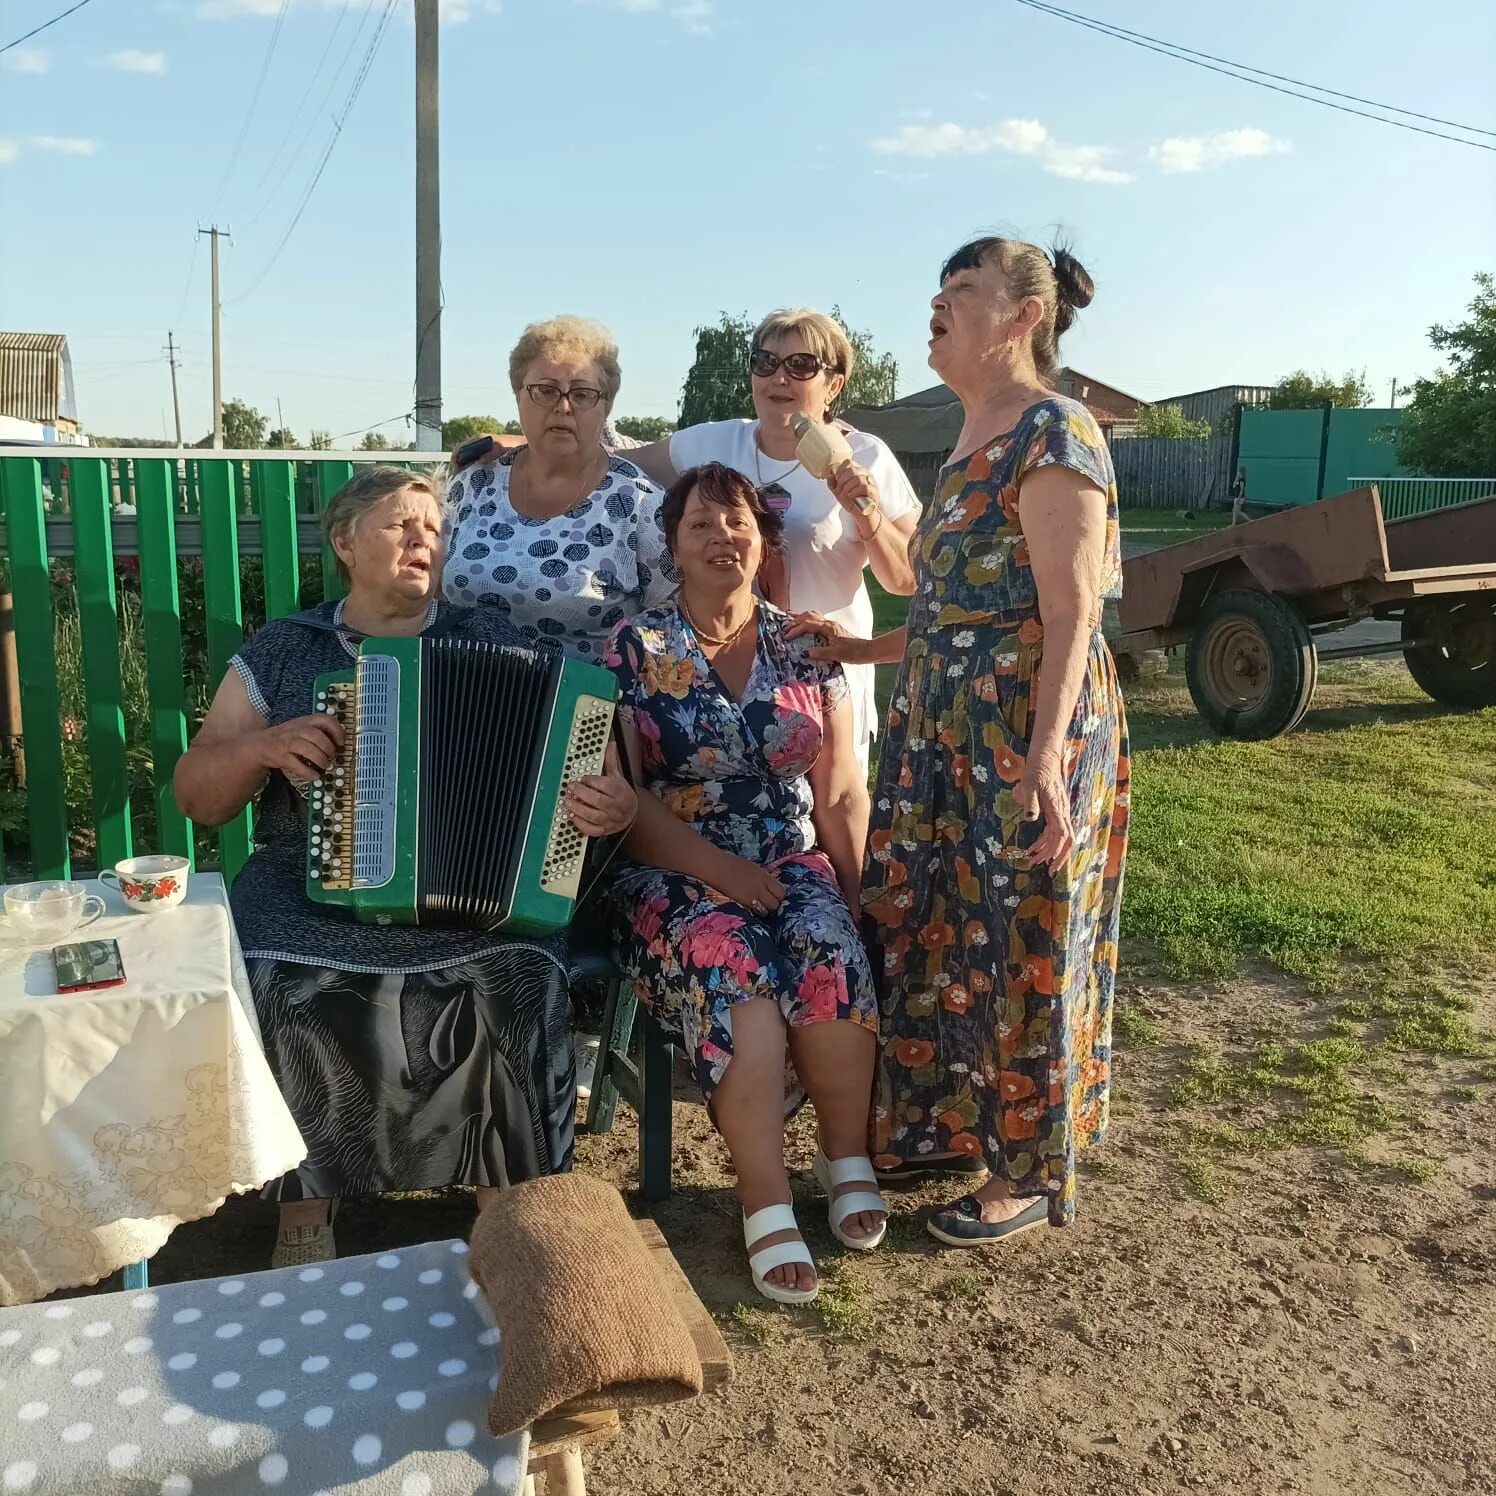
758, 469
707, 638
589, 483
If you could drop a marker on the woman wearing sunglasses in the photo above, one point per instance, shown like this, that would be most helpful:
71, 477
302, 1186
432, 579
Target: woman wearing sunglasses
560, 533
861, 517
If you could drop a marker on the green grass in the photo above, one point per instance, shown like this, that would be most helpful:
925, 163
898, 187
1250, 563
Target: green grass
756, 1324
962, 1288
1372, 830
842, 1305
1135, 1027
1169, 526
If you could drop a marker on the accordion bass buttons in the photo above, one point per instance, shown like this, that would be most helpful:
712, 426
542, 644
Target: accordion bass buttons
330, 824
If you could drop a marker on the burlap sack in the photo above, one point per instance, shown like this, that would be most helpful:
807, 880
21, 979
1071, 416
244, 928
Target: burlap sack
584, 1313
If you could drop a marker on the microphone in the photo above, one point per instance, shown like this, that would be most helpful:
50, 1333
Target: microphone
821, 446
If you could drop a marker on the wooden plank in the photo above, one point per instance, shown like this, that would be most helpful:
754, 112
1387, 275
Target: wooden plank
275, 493
331, 476
156, 501
36, 655
104, 692
225, 619
571, 1431
716, 1358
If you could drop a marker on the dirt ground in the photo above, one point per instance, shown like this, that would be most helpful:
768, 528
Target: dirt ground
1323, 1327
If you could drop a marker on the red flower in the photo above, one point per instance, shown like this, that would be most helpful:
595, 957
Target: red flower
165, 887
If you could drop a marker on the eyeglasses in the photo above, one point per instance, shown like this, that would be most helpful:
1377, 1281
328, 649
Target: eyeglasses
581, 396
800, 366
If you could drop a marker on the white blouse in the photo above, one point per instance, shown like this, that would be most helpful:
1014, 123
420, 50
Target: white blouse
572, 577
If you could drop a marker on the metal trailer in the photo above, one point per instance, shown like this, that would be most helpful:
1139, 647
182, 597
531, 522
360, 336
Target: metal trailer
1254, 605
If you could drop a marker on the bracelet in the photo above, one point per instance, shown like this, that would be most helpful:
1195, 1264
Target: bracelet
878, 526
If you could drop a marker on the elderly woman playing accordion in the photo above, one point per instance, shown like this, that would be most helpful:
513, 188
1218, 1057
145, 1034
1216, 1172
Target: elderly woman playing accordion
411, 1058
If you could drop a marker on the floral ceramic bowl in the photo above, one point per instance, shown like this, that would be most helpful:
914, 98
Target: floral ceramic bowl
149, 883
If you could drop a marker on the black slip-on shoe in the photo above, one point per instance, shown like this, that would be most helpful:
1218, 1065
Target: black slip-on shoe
961, 1224
961, 1166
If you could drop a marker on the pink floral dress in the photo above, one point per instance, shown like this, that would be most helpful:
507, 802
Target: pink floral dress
736, 771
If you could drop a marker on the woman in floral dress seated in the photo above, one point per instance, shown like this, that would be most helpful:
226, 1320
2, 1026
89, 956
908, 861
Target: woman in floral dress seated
733, 917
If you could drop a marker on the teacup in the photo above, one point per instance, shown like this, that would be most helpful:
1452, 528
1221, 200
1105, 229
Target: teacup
147, 884
47, 911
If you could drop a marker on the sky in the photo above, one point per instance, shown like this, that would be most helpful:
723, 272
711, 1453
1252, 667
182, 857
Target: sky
653, 163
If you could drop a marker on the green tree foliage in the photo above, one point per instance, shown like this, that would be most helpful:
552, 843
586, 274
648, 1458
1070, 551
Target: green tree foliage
464, 428
716, 387
1169, 421
243, 426
319, 441
1449, 430
644, 428
374, 441
1302, 390
282, 438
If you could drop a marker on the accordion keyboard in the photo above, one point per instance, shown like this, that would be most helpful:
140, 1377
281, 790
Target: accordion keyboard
332, 797
566, 851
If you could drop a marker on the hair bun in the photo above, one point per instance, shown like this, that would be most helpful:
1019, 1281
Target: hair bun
1075, 285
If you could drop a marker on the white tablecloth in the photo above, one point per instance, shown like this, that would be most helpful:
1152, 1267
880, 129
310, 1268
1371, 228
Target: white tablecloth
126, 1111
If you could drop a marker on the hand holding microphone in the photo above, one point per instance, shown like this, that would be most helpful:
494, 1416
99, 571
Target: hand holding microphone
825, 454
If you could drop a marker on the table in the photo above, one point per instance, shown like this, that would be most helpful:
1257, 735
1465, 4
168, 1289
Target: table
127, 1111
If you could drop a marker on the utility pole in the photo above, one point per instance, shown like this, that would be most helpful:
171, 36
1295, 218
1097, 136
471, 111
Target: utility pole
1395, 392
215, 234
428, 234
176, 404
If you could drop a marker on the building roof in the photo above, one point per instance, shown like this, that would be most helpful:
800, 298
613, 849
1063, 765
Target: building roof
36, 377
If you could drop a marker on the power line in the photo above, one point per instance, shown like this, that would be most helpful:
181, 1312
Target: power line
337, 130
404, 415
1184, 54
249, 114
37, 30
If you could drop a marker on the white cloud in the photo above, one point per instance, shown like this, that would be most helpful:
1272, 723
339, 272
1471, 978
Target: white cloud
1196, 152
9, 150
132, 60
27, 60
225, 10
694, 15
65, 145
1020, 137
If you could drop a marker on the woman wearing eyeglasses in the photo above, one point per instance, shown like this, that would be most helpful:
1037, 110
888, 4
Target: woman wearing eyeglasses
560, 533
861, 517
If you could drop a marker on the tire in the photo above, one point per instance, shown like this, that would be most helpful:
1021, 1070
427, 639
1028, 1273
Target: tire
1457, 664
1250, 664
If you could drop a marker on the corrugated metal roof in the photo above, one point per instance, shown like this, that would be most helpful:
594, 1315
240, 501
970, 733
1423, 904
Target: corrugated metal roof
35, 382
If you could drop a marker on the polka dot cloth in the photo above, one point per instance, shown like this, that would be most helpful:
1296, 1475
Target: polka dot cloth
371, 1374
571, 578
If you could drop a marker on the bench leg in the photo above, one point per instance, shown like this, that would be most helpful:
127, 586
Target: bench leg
618, 1030
564, 1475
137, 1275
655, 1115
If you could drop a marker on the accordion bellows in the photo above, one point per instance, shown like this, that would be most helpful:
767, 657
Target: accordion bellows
586, 1318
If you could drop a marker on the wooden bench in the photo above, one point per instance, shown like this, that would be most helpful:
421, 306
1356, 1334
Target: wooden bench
388, 1359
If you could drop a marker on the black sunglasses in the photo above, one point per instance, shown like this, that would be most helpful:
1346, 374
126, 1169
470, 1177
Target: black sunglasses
797, 365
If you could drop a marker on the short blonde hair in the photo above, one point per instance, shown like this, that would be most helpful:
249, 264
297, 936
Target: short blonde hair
568, 337
822, 335
367, 487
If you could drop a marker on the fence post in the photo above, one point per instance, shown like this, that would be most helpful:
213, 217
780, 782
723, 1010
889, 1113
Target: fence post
155, 508
98, 624
275, 493
331, 476
41, 705
225, 619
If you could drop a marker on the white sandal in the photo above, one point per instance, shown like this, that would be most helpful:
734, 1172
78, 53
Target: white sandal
831, 1174
764, 1223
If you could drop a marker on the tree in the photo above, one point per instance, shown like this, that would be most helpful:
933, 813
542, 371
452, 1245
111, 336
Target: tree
1169, 421
281, 438
374, 441
1302, 390
716, 387
1449, 430
644, 428
462, 429
243, 426
319, 441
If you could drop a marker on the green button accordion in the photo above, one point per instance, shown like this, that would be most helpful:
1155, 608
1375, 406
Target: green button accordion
445, 806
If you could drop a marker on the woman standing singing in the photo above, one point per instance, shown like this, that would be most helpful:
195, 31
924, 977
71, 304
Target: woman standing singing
993, 879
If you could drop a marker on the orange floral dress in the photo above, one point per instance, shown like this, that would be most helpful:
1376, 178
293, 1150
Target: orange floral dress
995, 977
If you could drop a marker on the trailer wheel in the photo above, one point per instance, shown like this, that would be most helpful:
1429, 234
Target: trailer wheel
1250, 664
1455, 662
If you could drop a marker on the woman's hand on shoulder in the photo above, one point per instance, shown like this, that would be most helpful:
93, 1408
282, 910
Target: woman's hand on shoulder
836, 645
303, 748
603, 804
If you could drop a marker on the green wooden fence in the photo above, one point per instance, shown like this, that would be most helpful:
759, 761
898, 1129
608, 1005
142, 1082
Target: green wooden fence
70, 520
